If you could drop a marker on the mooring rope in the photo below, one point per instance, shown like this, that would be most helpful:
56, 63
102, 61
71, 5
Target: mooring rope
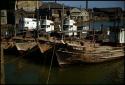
50, 65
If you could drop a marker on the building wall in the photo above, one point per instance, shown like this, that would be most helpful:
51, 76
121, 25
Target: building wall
3, 17
122, 36
27, 5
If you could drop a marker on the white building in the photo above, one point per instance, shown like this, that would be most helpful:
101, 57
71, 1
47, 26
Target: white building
69, 27
47, 25
28, 24
117, 36
122, 36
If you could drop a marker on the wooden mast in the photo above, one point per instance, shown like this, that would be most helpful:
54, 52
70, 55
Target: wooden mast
37, 19
16, 8
62, 21
86, 4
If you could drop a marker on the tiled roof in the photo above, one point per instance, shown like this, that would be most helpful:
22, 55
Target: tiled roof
52, 5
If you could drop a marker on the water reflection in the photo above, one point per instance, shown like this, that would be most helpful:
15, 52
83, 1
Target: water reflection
21, 71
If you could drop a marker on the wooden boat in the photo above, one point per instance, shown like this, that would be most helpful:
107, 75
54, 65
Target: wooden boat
9, 47
24, 46
18, 45
72, 54
42, 47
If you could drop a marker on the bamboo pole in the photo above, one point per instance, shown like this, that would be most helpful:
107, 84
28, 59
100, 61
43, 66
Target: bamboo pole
2, 67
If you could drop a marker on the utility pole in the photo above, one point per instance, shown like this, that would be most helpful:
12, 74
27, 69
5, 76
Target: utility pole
62, 20
86, 4
16, 8
37, 19
55, 1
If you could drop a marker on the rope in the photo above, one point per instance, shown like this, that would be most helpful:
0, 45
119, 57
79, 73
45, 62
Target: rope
50, 66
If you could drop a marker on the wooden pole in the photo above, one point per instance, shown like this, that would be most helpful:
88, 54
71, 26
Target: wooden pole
62, 20
37, 18
86, 4
2, 67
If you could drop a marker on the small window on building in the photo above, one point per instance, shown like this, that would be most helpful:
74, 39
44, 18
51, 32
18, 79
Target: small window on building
71, 26
48, 26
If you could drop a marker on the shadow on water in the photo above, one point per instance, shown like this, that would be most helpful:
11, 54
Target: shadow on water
31, 70
39, 58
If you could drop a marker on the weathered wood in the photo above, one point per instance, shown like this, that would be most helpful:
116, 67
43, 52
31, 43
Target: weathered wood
2, 67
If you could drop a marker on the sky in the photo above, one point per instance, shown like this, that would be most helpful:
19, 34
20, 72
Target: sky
93, 4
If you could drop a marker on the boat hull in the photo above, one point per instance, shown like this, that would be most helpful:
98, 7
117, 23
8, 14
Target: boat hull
67, 58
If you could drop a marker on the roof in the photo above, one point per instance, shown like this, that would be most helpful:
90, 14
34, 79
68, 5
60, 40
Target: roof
84, 13
27, 5
24, 11
52, 5
75, 10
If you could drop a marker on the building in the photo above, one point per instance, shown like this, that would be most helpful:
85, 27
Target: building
7, 17
25, 13
117, 35
26, 9
19, 13
28, 24
69, 27
3, 17
122, 36
27, 5
74, 13
82, 15
47, 26
9, 7
53, 11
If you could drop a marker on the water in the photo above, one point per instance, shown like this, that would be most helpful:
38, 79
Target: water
105, 23
20, 70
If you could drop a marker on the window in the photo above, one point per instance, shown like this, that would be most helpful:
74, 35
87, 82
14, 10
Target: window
43, 26
48, 26
71, 26
65, 27
3, 13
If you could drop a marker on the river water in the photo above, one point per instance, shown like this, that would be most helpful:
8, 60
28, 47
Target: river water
20, 70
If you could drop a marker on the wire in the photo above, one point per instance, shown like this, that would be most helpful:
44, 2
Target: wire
50, 65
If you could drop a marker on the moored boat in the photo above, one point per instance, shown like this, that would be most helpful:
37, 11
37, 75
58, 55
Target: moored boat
88, 54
